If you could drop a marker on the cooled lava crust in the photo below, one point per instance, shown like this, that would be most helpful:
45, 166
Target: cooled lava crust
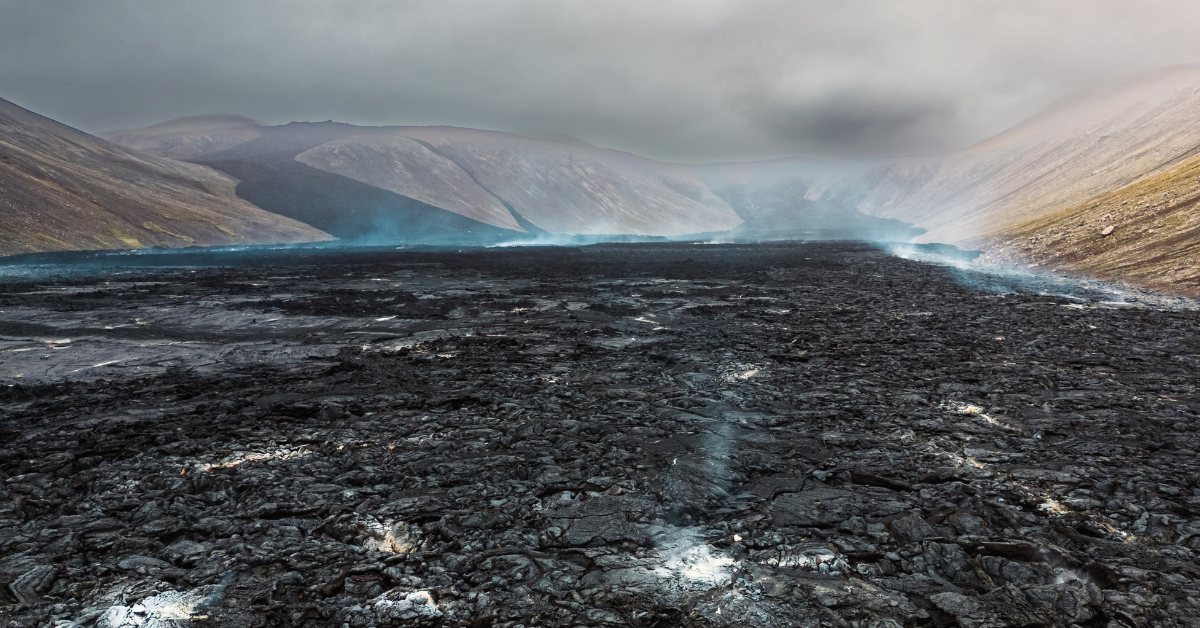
640, 435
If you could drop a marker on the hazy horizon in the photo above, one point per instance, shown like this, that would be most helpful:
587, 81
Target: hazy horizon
691, 82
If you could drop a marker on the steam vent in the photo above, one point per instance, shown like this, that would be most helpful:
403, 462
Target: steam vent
783, 434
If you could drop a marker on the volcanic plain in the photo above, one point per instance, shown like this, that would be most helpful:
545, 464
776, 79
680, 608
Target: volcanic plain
785, 434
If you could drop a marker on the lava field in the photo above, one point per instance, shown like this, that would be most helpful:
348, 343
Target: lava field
649, 435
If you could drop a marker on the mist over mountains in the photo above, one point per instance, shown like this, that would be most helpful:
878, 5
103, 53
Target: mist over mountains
1104, 185
509, 183
1044, 192
503, 181
1064, 155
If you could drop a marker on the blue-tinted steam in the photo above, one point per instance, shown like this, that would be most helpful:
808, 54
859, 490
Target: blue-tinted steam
1014, 279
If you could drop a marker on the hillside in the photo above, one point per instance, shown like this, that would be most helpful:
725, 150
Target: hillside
182, 125
271, 177
186, 138
1063, 165
1061, 157
451, 184
61, 189
509, 184
1020, 195
568, 187
1147, 232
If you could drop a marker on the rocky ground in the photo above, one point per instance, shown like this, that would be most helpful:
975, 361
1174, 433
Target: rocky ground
645, 435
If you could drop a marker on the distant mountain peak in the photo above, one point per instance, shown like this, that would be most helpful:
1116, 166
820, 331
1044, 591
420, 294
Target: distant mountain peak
189, 123
301, 123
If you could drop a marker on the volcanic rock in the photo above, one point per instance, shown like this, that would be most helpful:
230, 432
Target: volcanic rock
723, 435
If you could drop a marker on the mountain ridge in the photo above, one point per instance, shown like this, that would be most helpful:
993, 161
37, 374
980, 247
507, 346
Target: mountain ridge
558, 187
1020, 184
1056, 161
567, 188
66, 190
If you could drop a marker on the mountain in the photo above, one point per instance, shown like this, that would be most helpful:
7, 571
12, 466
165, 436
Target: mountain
185, 138
1146, 232
1136, 216
819, 221
422, 182
61, 189
183, 125
781, 199
1063, 157
271, 177
1041, 192
568, 187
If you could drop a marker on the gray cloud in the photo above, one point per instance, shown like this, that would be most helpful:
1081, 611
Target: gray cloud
691, 80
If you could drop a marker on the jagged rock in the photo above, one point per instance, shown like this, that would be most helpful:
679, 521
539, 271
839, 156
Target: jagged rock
1020, 574
950, 562
395, 608
1070, 601
172, 609
1003, 607
143, 562
186, 551
886, 605
875, 442
30, 586
117, 617
807, 556
911, 529
15, 567
818, 506
604, 519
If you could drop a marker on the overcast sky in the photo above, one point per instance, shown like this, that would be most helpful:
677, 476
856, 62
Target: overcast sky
694, 80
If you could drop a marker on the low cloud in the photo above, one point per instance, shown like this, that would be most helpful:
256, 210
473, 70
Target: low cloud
700, 80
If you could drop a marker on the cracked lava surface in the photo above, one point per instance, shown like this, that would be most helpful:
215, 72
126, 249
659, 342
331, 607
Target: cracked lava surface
811, 434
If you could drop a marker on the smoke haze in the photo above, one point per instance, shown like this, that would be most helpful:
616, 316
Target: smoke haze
694, 81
